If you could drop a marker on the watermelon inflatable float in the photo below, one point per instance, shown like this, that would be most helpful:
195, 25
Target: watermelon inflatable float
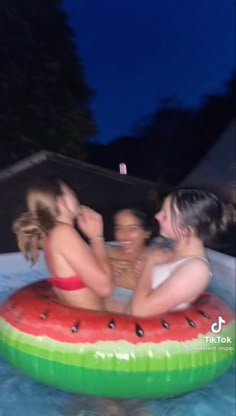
104, 354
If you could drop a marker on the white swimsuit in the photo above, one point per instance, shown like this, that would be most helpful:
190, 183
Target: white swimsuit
162, 272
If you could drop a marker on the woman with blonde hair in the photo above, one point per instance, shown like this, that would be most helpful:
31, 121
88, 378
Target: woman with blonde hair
80, 272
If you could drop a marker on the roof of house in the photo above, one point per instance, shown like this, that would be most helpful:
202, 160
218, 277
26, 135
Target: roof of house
217, 171
102, 189
217, 167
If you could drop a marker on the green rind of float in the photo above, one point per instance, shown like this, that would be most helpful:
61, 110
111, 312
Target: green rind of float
116, 383
122, 355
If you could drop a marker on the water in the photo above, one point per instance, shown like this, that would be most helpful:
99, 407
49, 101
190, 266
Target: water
21, 396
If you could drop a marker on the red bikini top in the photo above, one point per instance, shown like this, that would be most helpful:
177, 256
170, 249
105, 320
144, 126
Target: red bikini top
67, 283
62, 283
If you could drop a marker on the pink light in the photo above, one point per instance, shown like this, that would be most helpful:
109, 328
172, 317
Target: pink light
123, 169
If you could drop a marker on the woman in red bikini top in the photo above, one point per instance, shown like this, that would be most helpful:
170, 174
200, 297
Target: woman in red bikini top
80, 273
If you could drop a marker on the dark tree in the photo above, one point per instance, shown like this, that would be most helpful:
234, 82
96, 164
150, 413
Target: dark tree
176, 138
154, 150
171, 142
44, 99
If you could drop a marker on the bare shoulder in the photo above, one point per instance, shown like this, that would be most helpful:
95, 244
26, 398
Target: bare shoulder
198, 263
195, 268
62, 232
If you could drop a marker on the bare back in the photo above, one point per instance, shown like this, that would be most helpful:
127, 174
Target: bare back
60, 266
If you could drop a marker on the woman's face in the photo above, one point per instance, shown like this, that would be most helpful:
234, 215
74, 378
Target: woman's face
68, 203
165, 219
129, 232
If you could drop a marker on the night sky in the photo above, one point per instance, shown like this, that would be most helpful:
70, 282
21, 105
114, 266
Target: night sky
137, 52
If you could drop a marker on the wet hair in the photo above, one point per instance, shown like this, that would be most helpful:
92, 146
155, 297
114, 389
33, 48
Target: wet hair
201, 210
29, 234
34, 225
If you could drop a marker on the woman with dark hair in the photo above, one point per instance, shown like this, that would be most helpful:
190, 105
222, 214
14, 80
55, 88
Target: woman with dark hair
132, 232
81, 276
174, 279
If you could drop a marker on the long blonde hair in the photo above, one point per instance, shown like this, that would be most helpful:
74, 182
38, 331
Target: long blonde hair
33, 226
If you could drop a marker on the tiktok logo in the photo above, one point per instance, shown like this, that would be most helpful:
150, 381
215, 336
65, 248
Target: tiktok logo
216, 327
